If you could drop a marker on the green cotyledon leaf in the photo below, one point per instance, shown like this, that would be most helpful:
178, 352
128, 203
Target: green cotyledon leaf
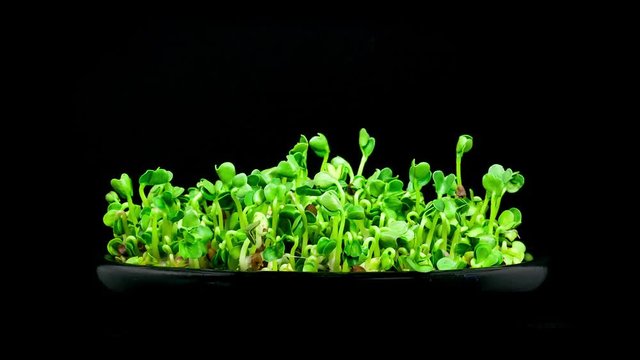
319, 145
123, 186
366, 142
226, 171
155, 177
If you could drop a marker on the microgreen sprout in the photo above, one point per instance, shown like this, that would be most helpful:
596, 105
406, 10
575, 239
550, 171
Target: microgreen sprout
286, 218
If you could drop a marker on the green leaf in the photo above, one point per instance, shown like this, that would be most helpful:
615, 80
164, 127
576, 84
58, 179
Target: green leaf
248, 198
387, 259
306, 190
226, 201
389, 234
482, 251
438, 204
226, 171
366, 142
110, 217
177, 191
497, 170
444, 185
359, 182
243, 191
488, 240
274, 252
418, 267
386, 175
207, 189
506, 220
330, 201
492, 183
289, 211
446, 263
511, 234
258, 197
388, 240
165, 201
311, 217
319, 145
323, 180
201, 233
376, 187
132, 249
274, 191
145, 237
123, 186
135, 260
419, 174
465, 143
338, 161
519, 247
301, 147
461, 249
517, 215
239, 180
310, 264
475, 232
155, 177
256, 180
191, 218
353, 248
325, 246
395, 186
297, 228
112, 197
288, 169
450, 208
112, 246
515, 183
355, 212
284, 225
191, 250
494, 258
118, 227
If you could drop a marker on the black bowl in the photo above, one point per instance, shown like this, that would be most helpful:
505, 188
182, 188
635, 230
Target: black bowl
514, 278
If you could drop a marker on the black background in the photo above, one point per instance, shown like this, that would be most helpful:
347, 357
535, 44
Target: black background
188, 93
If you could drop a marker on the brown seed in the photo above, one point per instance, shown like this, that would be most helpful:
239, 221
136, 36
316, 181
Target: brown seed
357, 268
256, 261
211, 252
461, 192
312, 209
122, 249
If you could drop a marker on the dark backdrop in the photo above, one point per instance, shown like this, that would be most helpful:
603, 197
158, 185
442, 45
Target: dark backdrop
188, 93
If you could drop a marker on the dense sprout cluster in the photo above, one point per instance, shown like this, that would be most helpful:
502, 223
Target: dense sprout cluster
283, 219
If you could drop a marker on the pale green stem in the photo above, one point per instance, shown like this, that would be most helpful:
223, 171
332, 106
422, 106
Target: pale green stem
420, 233
431, 231
292, 253
323, 166
459, 168
363, 160
244, 266
275, 212
243, 217
154, 235
134, 219
143, 197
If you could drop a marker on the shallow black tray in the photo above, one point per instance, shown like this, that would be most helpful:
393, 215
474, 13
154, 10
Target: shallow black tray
515, 278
